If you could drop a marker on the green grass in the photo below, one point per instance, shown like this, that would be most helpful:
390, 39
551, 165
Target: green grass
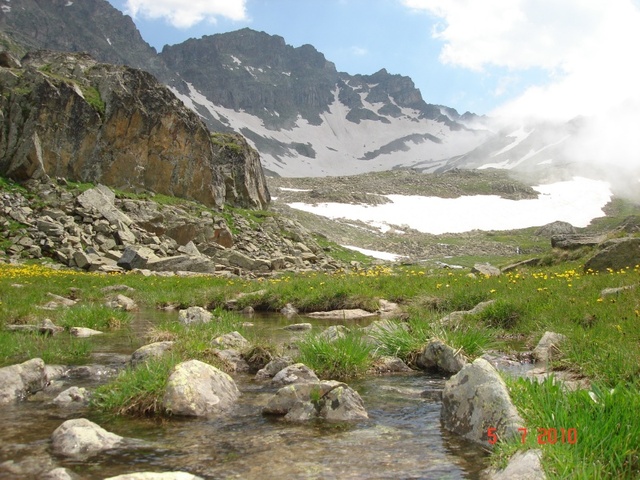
608, 431
18, 347
97, 317
137, 391
340, 359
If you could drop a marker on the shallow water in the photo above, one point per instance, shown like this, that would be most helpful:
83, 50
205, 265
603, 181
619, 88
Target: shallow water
401, 439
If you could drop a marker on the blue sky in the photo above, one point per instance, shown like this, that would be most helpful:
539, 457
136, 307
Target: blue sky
545, 58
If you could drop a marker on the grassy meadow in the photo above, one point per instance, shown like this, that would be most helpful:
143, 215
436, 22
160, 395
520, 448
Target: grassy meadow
603, 338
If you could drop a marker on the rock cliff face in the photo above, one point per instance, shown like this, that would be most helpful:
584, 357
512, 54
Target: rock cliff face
65, 115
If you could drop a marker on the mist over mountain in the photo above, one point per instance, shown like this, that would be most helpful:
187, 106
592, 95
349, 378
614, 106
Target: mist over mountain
306, 118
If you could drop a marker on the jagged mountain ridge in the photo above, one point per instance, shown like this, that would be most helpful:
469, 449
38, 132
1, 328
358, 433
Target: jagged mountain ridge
303, 116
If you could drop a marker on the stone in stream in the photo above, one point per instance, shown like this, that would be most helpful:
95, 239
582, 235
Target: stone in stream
298, 327
58, 474
197, 389
296, 373
327, 400
82, 438
522, 466
72, 397
345, 314
273, 367
156, 476
122, 302
437, 355
476, 399
82, 332
19, 381
151, 351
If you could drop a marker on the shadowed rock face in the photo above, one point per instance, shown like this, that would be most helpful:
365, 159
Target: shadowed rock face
69, 116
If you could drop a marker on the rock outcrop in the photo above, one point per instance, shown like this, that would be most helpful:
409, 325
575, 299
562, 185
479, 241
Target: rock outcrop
67, 115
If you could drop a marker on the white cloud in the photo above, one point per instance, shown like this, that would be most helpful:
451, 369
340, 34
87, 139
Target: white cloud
588, 48
359, 51
183, 14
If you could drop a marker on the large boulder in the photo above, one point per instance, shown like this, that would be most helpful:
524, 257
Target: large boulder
197, 389
82, 438
19, 381
436, 355
476, 399
328, 400
616, 254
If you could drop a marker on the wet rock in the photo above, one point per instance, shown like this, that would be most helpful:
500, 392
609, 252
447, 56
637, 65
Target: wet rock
151, 351
82, 438
19, 381
328, 400
72, 397
388, 309
439, 356
298, 327
59, 474
156, 476
273, 367
230, 340
548, 347
233, 360
346, 314
616, 254
522, 466
197, 389
194, 315
82, 332
289, 310
387, 364
296, 373
475, 399
122, 302
486, 269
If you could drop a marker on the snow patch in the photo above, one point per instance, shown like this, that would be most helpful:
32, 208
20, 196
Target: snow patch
577, 201
286, 189
375, 253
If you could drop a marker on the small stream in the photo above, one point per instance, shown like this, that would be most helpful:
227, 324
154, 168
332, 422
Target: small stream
402, 438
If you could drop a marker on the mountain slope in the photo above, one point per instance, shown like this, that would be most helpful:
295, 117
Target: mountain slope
303, 116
